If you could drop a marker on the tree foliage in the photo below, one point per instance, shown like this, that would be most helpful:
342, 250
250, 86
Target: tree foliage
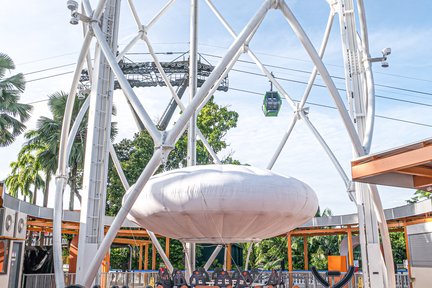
214, 122
12, 113
420, 195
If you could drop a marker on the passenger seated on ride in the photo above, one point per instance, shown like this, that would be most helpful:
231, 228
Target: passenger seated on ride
204, 273
197, 278
164, 279
223, 280
216, 272
179, 280
274, 279
244, 279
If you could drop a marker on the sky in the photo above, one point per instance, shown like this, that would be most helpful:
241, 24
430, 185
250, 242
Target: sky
38, 37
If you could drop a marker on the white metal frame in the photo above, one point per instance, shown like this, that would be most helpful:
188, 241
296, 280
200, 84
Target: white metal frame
361, 109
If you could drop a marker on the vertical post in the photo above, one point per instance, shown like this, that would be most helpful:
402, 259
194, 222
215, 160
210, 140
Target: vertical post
96, 155
290, 264
146, 256
153, 267
106, 264
167, 247
193, 63
408, 255
140, 257
228, 258
305, 253
350, 247
191, 155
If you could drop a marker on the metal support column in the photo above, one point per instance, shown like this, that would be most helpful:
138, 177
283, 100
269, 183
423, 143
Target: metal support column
193, 70
98, 137
360, 94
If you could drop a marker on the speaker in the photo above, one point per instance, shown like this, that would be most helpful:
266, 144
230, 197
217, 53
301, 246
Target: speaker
7, 222
20, 225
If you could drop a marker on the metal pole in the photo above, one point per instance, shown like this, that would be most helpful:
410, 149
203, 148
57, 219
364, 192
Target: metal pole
282, 143
61, 174
75, 126
218, 70
135, 14
129, 46
97, 151
160, 251
118, 167
321, 54
171, 136
213, 257
253, 56
129, 200
161, 12
124, 84
327, 150
304, 39
177, 98
248, 255
369, 81
191, 144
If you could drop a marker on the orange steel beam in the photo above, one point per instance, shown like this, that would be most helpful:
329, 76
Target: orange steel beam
153, 257
140, 258
407, 254
390, 163
228, 258
290, 264
146, 256
423, 171
420, 182
350, 248
167, 247
305, 253
133, 242
289, 244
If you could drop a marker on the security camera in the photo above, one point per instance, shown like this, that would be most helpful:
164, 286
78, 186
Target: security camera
72, 5
384, 64
74, 19
386, 51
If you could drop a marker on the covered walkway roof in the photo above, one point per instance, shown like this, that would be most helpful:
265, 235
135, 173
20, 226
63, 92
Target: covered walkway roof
409, 166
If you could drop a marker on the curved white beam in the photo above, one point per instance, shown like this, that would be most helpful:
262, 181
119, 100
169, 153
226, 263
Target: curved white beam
61, 174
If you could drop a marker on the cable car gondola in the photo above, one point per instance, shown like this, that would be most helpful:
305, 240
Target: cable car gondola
271, 104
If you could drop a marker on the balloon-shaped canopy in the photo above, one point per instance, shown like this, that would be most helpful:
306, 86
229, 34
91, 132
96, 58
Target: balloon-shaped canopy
223, 204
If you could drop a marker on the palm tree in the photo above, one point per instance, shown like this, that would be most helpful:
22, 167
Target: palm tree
25, 176
12, 113
45, 139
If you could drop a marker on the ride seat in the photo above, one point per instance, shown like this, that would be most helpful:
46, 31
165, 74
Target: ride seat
223, 280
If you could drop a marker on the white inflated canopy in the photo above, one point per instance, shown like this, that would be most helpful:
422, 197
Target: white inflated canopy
223, 204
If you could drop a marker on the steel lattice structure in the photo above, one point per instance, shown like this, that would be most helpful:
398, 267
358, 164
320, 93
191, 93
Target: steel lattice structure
101, 25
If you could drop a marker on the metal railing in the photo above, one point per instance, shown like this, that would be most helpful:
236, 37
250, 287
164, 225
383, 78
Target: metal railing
143, 279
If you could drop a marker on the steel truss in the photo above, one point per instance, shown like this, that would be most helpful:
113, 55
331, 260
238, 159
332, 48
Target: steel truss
101, 25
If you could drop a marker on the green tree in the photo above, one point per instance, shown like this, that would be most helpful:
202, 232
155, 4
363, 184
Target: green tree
43, 142
397, 240
214, 122
269, 253
25, 178
420, 195
12, 113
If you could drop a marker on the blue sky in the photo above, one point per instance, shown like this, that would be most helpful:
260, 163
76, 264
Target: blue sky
37, 35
